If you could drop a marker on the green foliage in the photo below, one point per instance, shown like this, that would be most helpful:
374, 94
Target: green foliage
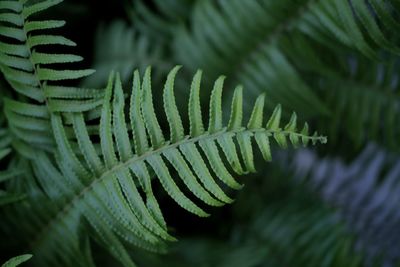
93, 165
101, 186
291, 228
6, 197
25, 68
32, 74
299, 52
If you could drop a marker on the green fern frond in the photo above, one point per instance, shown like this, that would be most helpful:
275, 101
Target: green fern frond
113, 132
32, 72
360, 25
245, 41
366, 18
25, 68
241, 39
102, 186
95, 176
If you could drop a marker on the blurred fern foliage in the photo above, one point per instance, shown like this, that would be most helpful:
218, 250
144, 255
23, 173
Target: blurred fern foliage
128, 126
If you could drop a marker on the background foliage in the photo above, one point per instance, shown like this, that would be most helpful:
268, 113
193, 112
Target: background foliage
334, 62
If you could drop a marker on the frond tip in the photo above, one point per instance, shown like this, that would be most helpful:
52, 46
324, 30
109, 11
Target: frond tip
130, 152
184, 151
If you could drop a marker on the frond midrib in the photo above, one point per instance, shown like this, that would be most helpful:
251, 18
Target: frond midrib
69, 205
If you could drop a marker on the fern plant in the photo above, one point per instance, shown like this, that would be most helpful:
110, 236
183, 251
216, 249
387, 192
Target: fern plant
93, 176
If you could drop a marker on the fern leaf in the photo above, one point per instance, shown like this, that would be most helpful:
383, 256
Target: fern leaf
106, 188
26, 33
32, 73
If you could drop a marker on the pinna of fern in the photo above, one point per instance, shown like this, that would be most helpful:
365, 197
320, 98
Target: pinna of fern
16, 261
111, 188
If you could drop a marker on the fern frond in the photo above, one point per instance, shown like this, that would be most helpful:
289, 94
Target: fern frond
235, 38
247, 41
358, 25
34, 73
102, 187
24, 67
